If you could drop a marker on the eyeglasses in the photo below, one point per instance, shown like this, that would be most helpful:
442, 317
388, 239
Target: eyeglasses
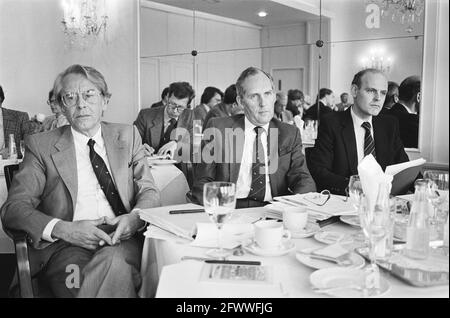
71, 99
174, 106
318, 199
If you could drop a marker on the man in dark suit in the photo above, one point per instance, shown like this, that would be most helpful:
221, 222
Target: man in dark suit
281, 113
407, 111
323, 105
77, 195
345, 138
262, 155
11, 122
160, 127
211, 97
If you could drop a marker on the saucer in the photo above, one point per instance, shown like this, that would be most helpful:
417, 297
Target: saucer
334, 277
161, 161
352, 220
357, 261
285, 248
309, 230
331, 237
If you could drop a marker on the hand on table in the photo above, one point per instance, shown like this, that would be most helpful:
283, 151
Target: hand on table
168, 149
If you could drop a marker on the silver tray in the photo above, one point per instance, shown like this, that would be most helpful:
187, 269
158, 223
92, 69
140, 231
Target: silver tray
413, 276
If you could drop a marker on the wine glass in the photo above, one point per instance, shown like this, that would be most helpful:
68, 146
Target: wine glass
438, 195
219, 200
355, 190
376, 224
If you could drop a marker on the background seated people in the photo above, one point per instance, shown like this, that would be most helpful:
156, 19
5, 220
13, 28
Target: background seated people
228, 107
12, 122
157, 126
164, 97
407, 111
262, 155
391, 97
295, 102
211, 97
77, 195
324, 104
345, 138
344, 104
281, 113
58, 119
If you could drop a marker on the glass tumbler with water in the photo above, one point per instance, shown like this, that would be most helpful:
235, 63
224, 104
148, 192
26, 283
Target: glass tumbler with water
219, 200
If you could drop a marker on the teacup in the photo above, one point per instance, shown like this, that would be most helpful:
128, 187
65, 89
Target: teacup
270, 234
295, 218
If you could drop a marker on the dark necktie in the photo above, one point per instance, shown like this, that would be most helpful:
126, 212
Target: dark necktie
258, 185
369, 143
105, 180
172, 126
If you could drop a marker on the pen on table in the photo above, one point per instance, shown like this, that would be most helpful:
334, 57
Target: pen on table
186, 211
213, 261
330, 220
294, 202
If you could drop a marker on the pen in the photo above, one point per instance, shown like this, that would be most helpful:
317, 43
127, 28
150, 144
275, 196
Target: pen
213, 261
186, 211
330, 220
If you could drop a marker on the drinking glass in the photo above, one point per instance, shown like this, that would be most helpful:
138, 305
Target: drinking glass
22, 148
438, 195
355, 190
376, 225
219, 200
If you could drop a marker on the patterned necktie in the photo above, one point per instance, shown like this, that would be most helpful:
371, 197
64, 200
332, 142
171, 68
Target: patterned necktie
105, 180
258, 186
172, 126
369, 143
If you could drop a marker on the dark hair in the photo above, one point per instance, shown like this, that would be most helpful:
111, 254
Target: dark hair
250, 71
209, 93
230, 94
2, 95
391, 86
164, 92
357, 78
409, 88
182, 90
88, 72
294, 94
343, 94
324, 92
50, 95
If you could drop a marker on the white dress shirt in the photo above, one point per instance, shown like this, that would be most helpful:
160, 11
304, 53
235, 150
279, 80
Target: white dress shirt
244, 180
91, 201
360, 133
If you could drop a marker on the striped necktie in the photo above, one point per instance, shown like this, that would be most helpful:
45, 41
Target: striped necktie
258, 185
369, 143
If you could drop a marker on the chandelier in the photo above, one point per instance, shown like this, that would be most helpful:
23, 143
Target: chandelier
83, 21
406, 11
376, 59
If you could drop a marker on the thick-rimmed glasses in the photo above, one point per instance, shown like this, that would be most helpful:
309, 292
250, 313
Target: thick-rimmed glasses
71, 99
174, 106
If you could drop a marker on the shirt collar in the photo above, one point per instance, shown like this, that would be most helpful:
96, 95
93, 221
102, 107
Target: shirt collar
357, 122
83, 139
250, 127
407, 108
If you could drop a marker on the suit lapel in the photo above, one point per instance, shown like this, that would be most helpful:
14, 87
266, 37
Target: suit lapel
118, 161
379, 134
156, 127
66, 164
236, 148
349, 139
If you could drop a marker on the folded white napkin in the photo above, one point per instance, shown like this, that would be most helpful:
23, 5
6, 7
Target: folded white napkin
332, 250
232, 234
371, 175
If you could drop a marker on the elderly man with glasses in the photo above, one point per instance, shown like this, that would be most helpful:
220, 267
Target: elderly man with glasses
160, 127
77, 195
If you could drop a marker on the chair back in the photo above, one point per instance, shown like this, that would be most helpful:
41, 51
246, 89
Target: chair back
9, 173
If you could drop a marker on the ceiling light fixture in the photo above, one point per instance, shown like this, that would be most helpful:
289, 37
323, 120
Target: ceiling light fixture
262, 14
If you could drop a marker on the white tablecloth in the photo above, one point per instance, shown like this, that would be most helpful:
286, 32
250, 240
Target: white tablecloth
164, 275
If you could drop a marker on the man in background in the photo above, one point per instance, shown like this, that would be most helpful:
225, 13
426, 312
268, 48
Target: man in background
281, 113
391, 97
325, 102
344, 104
211, 97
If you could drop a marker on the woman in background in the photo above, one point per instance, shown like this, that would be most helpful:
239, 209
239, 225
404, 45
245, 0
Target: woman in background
58, 119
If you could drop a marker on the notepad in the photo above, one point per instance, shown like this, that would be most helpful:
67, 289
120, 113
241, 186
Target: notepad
404, 175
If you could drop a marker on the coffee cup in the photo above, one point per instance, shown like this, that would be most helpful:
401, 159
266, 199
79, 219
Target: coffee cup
270, 234
295, 218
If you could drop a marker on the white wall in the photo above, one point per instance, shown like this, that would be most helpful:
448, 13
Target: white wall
225, 48
32, 53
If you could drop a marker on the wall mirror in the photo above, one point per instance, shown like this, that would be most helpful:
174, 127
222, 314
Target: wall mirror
229, 35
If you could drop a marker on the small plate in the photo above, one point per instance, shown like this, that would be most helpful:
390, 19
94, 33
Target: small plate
331, 237
161, 161
352, 220
285, 248
340, 277
310, 230
357, 261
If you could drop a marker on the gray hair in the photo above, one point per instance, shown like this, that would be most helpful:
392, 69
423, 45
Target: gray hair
90, 73
251, 71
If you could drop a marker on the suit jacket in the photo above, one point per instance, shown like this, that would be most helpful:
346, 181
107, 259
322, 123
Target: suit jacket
200, 113
45, 187
334, 157
311, 112
150, 122
157, 104
218, 110
409, 125
17, 123
287, 169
